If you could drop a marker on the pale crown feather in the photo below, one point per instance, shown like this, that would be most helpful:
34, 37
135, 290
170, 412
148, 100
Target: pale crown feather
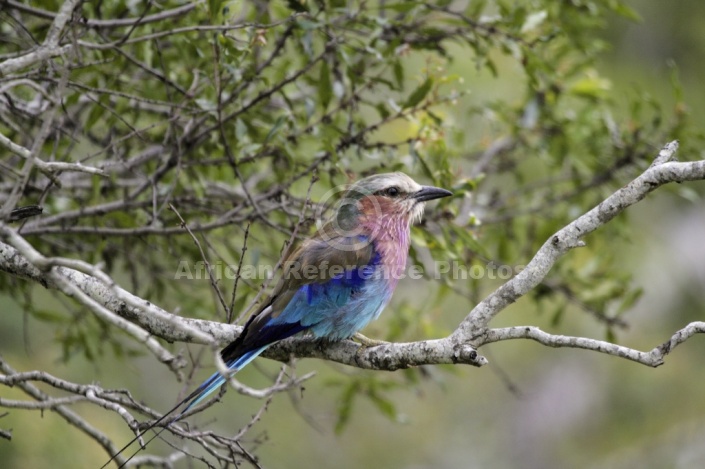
378, 182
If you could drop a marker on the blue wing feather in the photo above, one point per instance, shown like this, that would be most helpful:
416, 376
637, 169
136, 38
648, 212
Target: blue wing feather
340, 306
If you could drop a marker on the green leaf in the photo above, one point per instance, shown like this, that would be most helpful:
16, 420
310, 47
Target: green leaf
382, 109
325, 87
241, 130
470, 243
384, 405
419, 94
435, 118
213, 9
95, 114
591, 86
307, 25
422, 162
48, 315
275, 128
675, 81
475, 8
345, 405
626, 11
465, 186
629, 299
558, 315
401, 7
398, 70
298, 6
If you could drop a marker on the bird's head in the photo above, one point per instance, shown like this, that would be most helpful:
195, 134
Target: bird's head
385, 198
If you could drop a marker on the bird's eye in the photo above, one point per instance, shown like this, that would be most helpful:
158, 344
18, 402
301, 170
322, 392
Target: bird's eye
392, 191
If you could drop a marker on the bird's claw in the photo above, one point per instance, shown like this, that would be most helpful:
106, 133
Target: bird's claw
366, 341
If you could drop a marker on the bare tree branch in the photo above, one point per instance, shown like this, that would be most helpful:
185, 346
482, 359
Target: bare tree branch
458, 348
48, 167
50, 48
653, 358
71, 417
95, 290
113, 23
661, 172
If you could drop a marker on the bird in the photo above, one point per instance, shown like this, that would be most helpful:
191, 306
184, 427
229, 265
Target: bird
336, 281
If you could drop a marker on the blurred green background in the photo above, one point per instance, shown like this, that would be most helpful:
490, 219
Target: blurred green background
532, 407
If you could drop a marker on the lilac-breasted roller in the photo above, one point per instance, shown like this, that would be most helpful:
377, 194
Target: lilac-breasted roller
338, 280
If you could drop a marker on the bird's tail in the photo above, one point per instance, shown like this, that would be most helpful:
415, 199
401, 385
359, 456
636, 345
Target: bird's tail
198, 395
217, 380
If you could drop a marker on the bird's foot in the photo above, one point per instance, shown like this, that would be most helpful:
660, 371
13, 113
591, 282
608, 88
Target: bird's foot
366, 341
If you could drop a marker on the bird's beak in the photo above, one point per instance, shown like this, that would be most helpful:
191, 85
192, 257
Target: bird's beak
430, 193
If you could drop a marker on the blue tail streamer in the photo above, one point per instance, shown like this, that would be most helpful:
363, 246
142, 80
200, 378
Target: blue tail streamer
216, 380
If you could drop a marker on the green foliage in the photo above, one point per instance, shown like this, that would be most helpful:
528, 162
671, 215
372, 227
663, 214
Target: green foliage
370, 387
